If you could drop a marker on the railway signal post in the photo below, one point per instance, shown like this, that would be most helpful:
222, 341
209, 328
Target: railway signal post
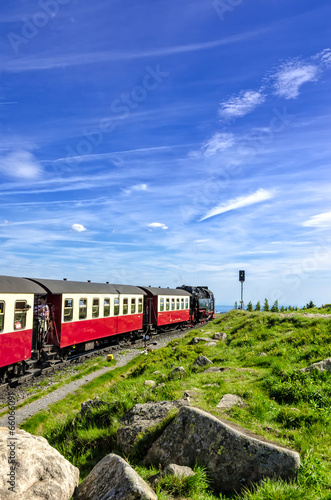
242, 279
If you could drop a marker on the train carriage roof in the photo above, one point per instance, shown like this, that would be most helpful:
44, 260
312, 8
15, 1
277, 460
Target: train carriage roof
65, 286
12, 284
151, 290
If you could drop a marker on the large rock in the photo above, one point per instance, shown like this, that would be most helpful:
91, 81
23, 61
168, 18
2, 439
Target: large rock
38, 471
142, 417
234, 458
321, 366
113, 479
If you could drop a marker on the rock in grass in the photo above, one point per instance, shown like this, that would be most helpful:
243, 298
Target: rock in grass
150, 383
202, 361
178, 471
113, 479
229, 400
233, 457
38, 471
220, 336
177, 372
321, 366
196, 340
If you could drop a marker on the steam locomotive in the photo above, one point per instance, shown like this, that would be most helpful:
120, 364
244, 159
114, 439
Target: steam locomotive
45, 320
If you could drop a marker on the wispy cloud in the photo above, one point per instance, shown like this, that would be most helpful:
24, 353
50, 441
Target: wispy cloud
136, 188
157, 225
62, 61
238, 106
20, 164
219, 142
290, 76
320, 220
242, 201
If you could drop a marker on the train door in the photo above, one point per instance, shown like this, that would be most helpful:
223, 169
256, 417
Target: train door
147, 318
40, 321
116, 313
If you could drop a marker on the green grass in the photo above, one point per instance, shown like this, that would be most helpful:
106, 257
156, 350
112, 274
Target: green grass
261, 358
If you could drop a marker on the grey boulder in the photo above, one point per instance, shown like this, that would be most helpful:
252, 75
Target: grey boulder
113, 479
36, 470
233, 457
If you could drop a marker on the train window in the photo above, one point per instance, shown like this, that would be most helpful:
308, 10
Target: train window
172, 304
116, 307
2, 315
177, 304
167, 304
95, 308
186, 303
182, 303
68, 310
20, 315
125, 306
106, 307
133, 306
162, 304
140, 305
82, 308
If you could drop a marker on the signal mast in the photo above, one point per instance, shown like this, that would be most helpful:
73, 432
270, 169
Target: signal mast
242, 279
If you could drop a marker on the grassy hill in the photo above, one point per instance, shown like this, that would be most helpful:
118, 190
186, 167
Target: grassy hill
261, 356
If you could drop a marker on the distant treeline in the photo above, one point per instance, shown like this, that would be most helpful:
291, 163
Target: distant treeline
276, 308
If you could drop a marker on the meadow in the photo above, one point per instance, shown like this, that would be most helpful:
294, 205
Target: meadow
261, 357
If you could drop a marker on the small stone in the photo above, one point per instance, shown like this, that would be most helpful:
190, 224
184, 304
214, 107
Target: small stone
150, 383
179, 371
229, 400
202, 361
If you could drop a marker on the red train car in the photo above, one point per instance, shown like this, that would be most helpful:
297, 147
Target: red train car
84, 312
166, 306
17, 297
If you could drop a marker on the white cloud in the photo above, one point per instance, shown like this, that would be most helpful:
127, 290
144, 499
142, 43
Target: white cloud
324, 57
290, 76
78, 228
241, 201
320, 220
20, 164
155, 225
241, 105
136, 187
219, 142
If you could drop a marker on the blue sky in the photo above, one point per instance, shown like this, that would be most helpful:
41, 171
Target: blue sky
162, 143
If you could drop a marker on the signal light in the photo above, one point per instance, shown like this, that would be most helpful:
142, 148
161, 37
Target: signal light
241, 275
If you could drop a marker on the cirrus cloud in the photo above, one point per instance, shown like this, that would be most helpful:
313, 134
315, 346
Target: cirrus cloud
241, 201
238, 106
290, 76
319, 220
20, 164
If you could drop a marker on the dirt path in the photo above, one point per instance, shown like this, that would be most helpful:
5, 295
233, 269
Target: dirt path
30, 409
